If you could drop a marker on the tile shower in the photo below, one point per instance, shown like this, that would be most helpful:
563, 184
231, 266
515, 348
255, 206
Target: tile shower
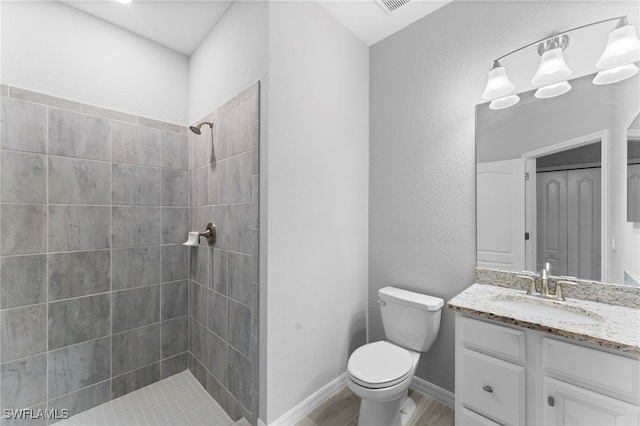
94, 281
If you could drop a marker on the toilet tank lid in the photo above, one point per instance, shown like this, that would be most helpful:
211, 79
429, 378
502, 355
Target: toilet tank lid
410, 298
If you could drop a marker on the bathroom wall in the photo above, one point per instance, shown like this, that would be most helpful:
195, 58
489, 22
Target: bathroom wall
224, 290
93, 290
317, 190
52, 48
425, 83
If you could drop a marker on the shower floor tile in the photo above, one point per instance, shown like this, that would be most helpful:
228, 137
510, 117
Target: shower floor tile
175, 401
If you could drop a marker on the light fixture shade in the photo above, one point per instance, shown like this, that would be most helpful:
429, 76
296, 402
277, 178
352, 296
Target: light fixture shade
498, 84
505, 102
623, 47
553, 90
614, 75
552, 69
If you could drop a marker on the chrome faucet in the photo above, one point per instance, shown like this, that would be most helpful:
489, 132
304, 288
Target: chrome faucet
544, 292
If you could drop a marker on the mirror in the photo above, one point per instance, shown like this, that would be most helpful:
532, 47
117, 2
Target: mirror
552, 183
633, 171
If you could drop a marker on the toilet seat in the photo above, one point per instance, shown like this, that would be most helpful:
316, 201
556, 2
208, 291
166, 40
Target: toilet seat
379, 365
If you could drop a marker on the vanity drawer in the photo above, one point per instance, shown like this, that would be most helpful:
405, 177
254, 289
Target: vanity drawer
492, 338
492, 387
597, 370
467, 417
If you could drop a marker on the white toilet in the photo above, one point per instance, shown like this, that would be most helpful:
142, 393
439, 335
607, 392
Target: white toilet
380, 372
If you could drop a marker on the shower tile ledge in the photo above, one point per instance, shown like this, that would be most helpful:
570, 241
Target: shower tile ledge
619, 330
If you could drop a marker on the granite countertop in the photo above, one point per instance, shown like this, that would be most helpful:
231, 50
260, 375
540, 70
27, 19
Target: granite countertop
618, 327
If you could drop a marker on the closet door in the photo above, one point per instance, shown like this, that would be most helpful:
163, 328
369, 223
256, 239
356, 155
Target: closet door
584, 223
552, 233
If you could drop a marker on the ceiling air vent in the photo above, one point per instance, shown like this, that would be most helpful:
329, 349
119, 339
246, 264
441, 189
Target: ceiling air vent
390, 5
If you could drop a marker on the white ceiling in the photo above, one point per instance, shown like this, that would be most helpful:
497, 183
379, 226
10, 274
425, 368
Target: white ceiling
179, 24
182, 24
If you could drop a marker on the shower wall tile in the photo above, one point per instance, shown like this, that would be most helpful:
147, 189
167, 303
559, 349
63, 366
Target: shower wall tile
136, 145
199, 302
24, 126
173, 365
175, 261
161, 125
135, 308
103, 197
235, 182
199, 187
240, 221
174, 225
79, 274
135, 226
174, 300
135, 267
217, 358
18, 221
109, 113
78, 228
239, 327
41, 98
174, 337
78, 366
23, 332
239, 371
24, 382
226, 275
78, 320
175, 188
23, 177
84, 399
23, 280
134, 349
218, 313
174, 151
135, 186
200, 264
73, 181
220, 271
72, 134
135, 380
240, 268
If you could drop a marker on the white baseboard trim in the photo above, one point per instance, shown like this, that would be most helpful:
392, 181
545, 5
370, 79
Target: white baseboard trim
311, 403
443, 396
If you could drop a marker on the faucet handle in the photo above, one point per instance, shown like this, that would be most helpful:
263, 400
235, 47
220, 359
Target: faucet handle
559, 294
532, 284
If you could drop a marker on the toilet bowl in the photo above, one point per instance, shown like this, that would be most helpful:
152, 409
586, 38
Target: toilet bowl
380, 372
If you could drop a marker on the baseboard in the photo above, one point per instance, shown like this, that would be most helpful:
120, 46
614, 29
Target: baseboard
292, 416
443, 396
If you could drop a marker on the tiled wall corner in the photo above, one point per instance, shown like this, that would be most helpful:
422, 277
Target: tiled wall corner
93, 276
223, 294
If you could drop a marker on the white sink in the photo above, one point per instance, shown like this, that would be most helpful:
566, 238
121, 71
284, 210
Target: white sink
549, 309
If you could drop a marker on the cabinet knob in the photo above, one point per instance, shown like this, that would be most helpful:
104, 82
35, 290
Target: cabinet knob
487, 388
551, 401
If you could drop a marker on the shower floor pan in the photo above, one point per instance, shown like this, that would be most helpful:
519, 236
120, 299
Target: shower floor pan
175, 401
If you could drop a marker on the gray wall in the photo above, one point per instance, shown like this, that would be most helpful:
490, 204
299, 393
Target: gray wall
223, 298
425, 82
93, 283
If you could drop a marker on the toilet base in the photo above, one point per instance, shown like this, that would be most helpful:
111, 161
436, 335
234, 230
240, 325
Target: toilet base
396, 412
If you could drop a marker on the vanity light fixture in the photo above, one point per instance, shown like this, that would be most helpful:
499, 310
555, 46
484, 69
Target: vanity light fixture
616, 63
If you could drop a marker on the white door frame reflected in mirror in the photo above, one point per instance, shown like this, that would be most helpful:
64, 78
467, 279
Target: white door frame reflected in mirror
529, 159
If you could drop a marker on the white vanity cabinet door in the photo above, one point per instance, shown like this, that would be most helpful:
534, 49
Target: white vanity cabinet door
468, 418
492, 387
568, 405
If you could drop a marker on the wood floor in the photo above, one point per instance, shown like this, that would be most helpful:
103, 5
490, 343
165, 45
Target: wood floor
342, 410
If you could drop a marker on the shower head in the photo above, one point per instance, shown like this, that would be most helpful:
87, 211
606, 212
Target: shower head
196, 129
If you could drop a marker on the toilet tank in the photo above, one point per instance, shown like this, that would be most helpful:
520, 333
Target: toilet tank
410, 319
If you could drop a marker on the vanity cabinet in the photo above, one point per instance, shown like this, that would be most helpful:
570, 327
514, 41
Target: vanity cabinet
510, 375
